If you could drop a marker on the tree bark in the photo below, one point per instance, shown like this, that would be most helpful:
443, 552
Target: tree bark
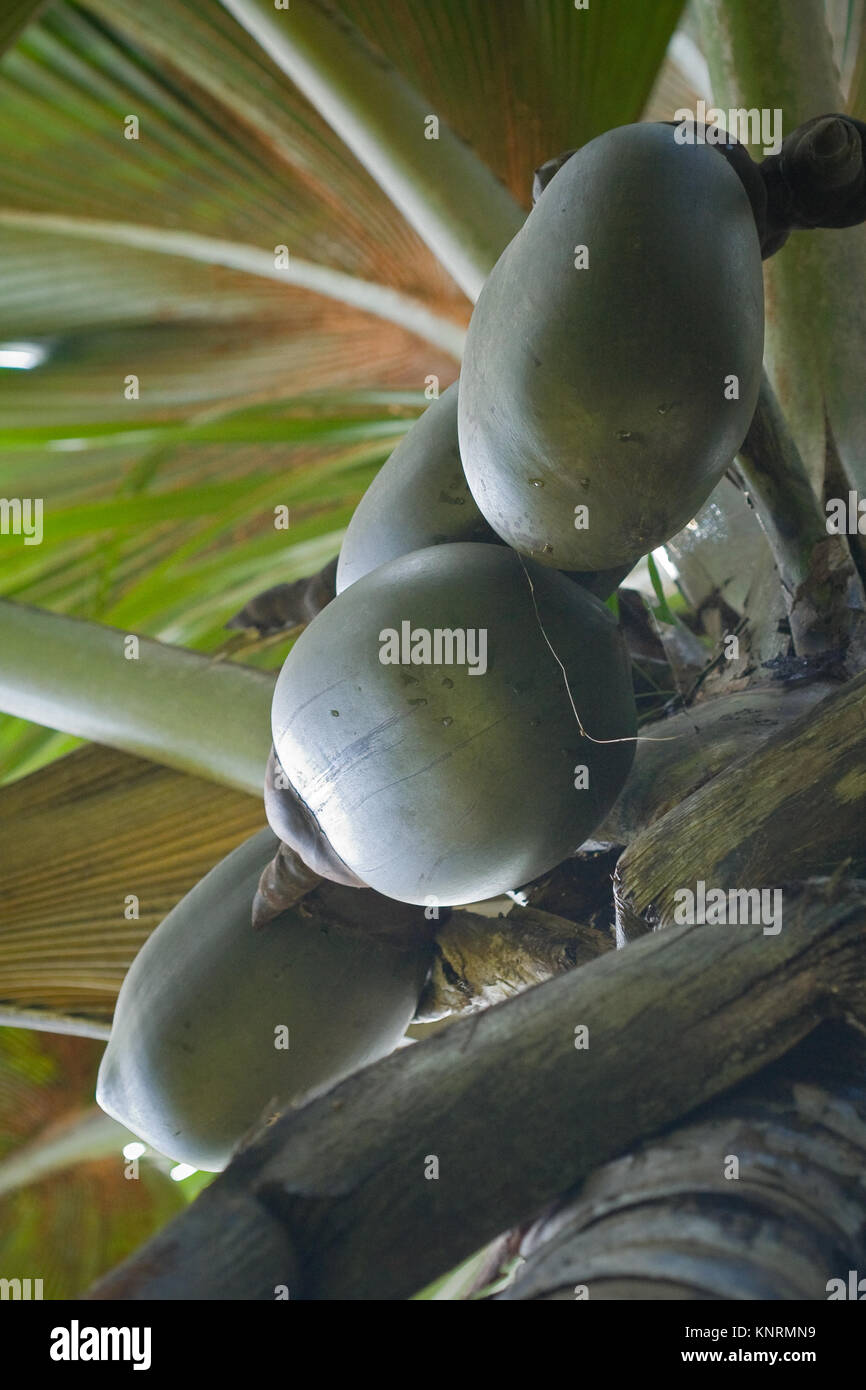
677, 755
796, 807
758, 1196
481, 961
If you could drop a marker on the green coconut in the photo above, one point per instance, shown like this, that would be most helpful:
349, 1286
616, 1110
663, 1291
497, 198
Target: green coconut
420, 497
197, 1047
453, 768
613, 359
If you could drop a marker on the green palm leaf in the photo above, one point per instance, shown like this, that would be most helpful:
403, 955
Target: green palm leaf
16, 16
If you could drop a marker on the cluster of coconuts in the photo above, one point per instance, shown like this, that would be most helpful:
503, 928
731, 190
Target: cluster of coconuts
460, 717
611, 371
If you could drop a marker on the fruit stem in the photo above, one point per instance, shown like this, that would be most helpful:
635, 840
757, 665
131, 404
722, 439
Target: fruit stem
283, 883
818, 179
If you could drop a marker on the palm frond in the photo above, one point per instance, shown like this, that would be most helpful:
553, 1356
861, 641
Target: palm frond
15, 17
94, 852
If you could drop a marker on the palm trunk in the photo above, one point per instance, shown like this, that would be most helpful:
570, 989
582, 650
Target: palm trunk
752, 1198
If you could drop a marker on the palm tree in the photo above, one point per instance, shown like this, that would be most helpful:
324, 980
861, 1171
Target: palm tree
239, 245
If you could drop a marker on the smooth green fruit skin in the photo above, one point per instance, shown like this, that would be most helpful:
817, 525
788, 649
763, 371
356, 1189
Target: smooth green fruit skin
430, 781
191, 1061
605, 386
419, 497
